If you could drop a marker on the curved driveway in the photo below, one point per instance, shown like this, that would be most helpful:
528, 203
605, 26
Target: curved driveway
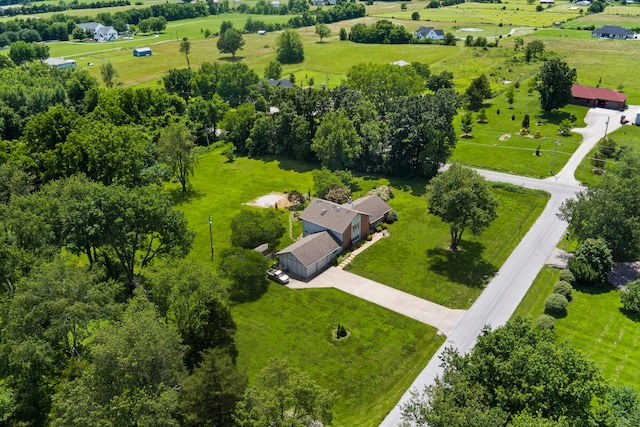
503, 294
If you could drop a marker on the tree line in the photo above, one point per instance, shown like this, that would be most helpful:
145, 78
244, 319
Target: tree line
32, 9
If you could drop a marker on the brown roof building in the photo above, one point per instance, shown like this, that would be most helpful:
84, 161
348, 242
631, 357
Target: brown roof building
598, 97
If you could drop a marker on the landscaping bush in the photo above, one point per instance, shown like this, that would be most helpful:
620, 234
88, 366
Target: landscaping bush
385, 192
555, 304
391, 217
338, 194
384, 226
630, 297
592, 261
378, 229
369, 237
537, 134
567, 276
545, 322
563, 288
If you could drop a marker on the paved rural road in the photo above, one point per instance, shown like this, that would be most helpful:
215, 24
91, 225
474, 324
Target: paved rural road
503, 294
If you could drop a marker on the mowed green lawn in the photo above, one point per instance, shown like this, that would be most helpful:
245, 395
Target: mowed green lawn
415, 258
496, 145
370, 370
594, 324
385, 351
626, 136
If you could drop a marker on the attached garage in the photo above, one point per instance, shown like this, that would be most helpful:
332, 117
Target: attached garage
309, 255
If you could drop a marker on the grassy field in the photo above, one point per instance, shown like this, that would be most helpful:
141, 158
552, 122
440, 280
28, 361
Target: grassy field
628, 136
415, 259
594, 324
370, 370
385, 351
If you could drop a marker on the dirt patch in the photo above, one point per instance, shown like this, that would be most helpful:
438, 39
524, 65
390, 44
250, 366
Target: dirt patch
270, 200
504, 137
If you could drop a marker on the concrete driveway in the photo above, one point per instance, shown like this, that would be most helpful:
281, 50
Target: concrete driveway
442, 318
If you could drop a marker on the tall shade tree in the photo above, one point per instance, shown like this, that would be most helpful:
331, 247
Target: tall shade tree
512, 372
462, 199
109, 74
555, 80
397, 82
289, 49
252, 228
421, 133
322, 30
477, 92
230, 41
337, 143
134, 376
273, 70
285, 396
609, 210
176, 149
185, 49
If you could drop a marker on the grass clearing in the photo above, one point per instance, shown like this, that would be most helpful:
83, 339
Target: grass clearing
370, 370
385, 351
416, 259
594, 324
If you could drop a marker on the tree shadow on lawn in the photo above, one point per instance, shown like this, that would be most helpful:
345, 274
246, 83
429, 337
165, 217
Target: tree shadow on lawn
416, 187
179, 197
466, 267
630, 314
555, 117
290, 164
594, 289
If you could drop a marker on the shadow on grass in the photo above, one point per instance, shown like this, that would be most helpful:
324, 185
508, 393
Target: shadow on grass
557, 315
594, 289
555, 117
466, 267
290, 164
231, 58
178, 197
631, 315
417, 188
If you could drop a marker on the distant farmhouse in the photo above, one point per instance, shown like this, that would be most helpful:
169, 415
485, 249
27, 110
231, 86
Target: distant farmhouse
59, 63
327, 229
323, 2
429, 33
613, 32
400, 63
598, 97
583, 3
142, 51
547, 1
280, 82
99, 31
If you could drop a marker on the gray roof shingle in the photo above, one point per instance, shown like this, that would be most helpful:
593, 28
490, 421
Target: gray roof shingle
312, 248
329, 215
372, 205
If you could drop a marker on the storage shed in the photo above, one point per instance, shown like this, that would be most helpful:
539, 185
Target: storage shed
142, 51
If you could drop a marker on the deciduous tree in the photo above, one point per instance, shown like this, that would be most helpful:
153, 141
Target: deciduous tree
230, 41
283, 395
109, 74
252, 228
245, 269
462, 199
273, 70
322, 30
176, 149
289, 49
478, 91
185, 49
337, 143
555, 80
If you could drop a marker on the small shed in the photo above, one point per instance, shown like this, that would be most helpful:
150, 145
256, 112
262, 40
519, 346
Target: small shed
638, 119
59, 63
142, 51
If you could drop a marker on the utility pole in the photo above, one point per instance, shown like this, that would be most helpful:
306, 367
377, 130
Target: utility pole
553, 162
606, 129
211, 236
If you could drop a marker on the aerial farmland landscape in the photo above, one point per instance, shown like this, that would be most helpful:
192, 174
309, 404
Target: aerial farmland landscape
319, 212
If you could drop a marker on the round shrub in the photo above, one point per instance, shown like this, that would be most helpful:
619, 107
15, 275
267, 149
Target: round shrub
545, 322
555, 304
567, 276
378, 229
563, 288
369, 237
592, 261
630, 297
